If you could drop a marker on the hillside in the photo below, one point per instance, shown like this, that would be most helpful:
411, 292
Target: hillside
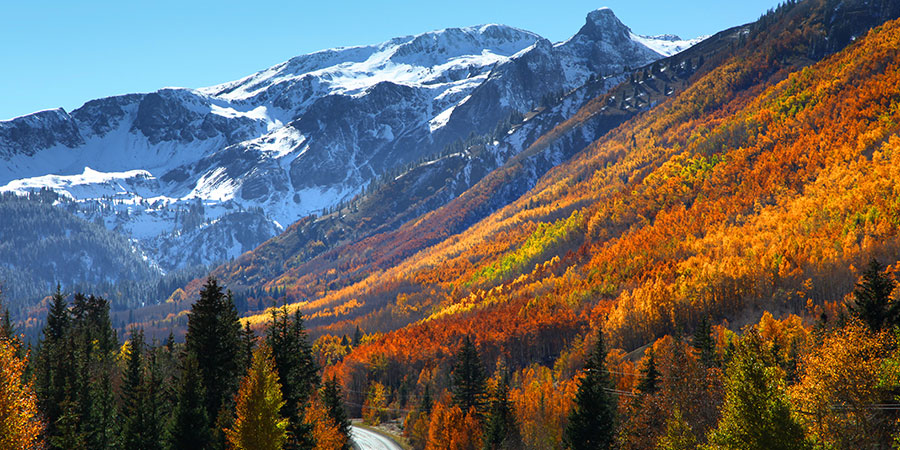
700, 251
42, 244
762, 186
298, 138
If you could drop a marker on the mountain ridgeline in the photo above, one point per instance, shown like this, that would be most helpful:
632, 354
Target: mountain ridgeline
299, 137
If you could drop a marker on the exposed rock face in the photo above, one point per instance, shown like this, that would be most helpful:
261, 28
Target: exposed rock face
299, 136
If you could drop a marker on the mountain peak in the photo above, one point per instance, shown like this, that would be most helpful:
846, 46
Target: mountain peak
601, 23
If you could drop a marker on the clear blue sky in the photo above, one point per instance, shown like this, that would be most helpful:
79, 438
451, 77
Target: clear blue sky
63, 53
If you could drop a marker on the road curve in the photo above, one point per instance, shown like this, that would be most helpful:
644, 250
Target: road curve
364, 439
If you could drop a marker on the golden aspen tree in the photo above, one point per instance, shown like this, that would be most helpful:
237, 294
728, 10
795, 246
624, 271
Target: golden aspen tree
258, 424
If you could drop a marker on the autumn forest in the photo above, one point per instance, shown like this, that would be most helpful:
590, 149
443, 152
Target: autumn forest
716, 270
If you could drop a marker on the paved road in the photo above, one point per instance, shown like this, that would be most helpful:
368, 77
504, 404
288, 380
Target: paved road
367, 440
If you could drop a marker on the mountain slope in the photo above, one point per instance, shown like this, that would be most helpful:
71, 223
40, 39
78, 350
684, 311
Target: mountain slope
296, 138
722, 201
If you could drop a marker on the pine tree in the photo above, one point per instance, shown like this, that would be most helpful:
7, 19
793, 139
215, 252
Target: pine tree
297, 369
500, 429
96, 343
468, 378
332, 400
872, 298
592, 421
756, 414
357, 337
258, 424
649, 382
426, 401
248, 339
704, 344
190, 424
53, 365
134, 410
214, 340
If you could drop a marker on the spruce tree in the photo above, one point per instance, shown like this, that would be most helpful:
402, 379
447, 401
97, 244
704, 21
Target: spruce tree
756, 414
500, 429
592, 421
297, 370
704, 344
426, 402
872, 298
213, 339
96, 343
154, 401
53, 368
649, 382
258, 424
190, 426
468, 378
134, 409
333, 401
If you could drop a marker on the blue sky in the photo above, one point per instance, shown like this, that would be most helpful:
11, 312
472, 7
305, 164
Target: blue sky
63, 53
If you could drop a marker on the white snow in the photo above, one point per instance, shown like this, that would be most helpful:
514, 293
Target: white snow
667, 45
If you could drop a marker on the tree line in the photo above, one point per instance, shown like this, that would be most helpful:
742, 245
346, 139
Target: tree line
224, 387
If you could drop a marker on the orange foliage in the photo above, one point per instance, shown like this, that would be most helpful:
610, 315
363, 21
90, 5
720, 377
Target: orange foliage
20, 426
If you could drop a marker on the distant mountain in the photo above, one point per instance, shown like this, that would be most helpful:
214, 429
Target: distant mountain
199, 176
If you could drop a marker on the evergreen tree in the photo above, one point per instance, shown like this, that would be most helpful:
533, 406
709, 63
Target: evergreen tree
104, 426
332, 400
96, 345
357, 337
134, 410
53, 368
258, 424
213, 339
190, 425
294, 361
756, 414
426, 403
500, 429
704, 344
592, 421
248, 338
154, 401
468, 378
649, 382
872, 298
7, 329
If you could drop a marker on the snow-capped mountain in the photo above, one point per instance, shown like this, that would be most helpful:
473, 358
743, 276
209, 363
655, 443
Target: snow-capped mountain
201, 175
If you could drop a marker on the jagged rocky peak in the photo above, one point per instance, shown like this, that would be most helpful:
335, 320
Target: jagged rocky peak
603, 25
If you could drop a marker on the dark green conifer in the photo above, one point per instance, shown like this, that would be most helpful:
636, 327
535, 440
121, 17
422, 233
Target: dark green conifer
190, 426
649, 382
53, 369
134, 411
500, 429
592, 421
704, 344
213, 339
872, 298
468, 378
297, 371
333, 401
